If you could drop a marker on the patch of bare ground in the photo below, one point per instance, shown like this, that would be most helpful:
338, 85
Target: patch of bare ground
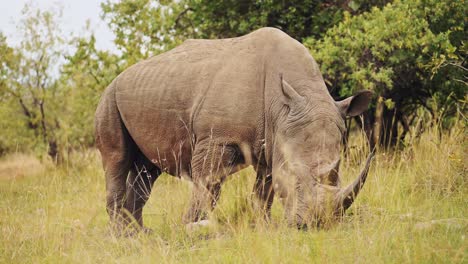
18, 166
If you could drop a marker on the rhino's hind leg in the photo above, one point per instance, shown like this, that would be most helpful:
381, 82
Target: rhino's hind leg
115, 192
139, 183
263, 191
118, 154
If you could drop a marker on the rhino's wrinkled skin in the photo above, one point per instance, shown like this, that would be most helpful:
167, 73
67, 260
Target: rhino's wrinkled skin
208, 108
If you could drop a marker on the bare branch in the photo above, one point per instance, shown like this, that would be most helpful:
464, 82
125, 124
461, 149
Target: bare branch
461, 81
181, 15
454, 64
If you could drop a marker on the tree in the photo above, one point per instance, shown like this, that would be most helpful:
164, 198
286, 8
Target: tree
145, 27
13, 130
84, 76
28, 81
298, 18
407, 53
142, 27
227, 18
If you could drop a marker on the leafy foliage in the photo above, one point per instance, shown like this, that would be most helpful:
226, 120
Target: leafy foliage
84, 77
147, 27
300, 19
142, 27
408, 52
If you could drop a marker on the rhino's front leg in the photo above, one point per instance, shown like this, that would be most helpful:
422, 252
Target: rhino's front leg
204, 198
211, 163
263, 191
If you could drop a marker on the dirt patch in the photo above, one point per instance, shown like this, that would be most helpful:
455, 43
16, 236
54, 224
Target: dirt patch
17, 166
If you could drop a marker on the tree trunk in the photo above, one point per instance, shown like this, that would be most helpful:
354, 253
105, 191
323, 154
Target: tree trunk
53, 150
390, 128
376, 134
366, 123
381, 125
346, 135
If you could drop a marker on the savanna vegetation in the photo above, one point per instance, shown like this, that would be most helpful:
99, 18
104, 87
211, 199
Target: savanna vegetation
411, 54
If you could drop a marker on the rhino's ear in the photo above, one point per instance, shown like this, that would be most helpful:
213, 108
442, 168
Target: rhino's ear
356, 104
291, 95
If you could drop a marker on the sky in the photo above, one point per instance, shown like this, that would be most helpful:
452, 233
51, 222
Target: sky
75, 14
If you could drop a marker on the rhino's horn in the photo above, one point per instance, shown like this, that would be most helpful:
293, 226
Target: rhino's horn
347, 195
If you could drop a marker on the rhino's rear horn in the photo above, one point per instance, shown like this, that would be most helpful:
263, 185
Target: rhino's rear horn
346, 196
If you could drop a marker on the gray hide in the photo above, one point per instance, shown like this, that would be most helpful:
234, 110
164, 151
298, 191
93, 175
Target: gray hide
208, 108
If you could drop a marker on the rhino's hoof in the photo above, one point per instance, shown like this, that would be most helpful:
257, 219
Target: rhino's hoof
197, 225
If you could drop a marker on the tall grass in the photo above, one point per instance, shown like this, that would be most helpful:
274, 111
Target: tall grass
412, 209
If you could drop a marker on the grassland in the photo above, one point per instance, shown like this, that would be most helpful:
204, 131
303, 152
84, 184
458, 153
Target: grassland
413, 209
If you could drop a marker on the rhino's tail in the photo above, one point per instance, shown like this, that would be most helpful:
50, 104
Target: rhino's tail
112, 137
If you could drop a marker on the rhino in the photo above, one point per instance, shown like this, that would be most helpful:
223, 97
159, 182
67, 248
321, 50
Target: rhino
208, 108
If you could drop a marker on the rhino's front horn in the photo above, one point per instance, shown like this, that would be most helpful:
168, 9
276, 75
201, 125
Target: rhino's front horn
346, 196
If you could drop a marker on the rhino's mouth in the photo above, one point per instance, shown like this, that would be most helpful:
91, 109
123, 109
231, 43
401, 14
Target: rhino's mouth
320, 203
328, 202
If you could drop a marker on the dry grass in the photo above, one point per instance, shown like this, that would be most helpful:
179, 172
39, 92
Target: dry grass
412, 209
18, 165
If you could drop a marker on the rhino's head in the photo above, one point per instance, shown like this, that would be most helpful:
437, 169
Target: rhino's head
306, 155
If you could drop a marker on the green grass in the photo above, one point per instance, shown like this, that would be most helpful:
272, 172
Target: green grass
412, 209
